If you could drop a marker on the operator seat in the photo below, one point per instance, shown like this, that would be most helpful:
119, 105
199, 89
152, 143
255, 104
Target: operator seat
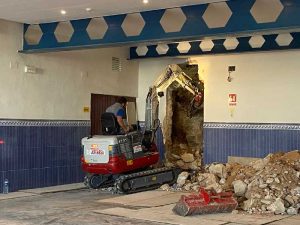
110, 125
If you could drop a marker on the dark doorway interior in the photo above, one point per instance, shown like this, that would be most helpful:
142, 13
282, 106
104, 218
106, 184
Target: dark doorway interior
99, 103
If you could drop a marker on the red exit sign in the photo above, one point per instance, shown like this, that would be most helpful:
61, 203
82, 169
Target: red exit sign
232, 99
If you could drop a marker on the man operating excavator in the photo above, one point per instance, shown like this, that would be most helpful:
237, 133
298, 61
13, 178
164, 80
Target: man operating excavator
118, 109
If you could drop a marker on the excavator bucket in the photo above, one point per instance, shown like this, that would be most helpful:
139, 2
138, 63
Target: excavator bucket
207, 202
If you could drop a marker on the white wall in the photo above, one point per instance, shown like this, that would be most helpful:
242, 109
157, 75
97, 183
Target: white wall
59, 91
266, 84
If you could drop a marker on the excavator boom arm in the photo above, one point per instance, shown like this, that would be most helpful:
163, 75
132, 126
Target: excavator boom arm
172, 74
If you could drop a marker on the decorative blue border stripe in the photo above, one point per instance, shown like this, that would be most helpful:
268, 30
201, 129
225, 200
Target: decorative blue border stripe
45, 123
252, 126
191, 23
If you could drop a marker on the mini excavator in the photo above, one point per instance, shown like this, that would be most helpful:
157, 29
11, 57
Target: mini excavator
125, 161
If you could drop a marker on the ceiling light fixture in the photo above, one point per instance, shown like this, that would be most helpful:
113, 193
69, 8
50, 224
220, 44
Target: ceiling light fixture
63, 12
145, 1
88, 9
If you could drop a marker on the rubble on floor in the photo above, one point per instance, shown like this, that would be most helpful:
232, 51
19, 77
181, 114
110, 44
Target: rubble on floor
269, 185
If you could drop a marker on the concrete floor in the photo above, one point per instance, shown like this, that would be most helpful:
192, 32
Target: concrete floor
73, 207
82, 206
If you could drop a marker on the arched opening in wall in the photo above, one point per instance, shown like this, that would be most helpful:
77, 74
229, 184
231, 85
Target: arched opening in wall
99, 104
183, 126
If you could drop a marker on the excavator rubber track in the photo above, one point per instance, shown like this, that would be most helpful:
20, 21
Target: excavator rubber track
146, 180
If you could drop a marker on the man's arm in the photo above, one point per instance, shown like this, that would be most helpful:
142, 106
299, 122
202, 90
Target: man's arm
122, 124
120, 115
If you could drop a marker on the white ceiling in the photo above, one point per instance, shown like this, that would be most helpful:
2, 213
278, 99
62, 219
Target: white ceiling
42, 11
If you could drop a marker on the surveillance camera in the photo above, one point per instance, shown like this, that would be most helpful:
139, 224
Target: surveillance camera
160, 94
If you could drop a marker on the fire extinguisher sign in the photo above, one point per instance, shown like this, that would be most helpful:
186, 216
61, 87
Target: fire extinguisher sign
232, 100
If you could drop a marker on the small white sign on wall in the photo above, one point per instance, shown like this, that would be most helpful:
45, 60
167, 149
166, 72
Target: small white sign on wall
232, 103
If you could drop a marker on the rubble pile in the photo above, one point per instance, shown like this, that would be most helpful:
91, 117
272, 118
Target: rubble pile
269, 185
186, 161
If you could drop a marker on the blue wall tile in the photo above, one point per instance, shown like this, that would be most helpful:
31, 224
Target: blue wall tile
248, 140
41, 153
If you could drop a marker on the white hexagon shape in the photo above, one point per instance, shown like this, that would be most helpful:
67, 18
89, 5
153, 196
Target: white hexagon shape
206, 45
231, 43
97, 28
173, 20
266, 11
284, 39
184, 47
162, 49
64, 31
33, 35
133, 24
217, 15
257, 41
141, 50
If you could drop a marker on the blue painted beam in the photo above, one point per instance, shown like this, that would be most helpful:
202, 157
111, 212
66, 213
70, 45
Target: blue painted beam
185, 23
282, 41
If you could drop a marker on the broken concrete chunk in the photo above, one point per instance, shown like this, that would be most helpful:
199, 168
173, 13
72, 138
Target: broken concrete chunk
292, 211
176, 156
296, 191
188, 158
188, 187
235, 212
262, 186
180, 163
222, 181
239, 187
247, 205
289, 199
209, 181
277, 207
259, 164
165, 187
267, 202
196, 188
218, 169
193, 165
269, 180
182, 178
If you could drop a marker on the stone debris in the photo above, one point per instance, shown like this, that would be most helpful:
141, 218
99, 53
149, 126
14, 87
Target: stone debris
239, 187
181, 180
292, 211
218, 170
188, 158
269, 185
209, 181
277, 206
186, 161
165, 187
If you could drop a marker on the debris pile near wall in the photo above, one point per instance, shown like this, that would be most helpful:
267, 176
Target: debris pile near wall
269, 185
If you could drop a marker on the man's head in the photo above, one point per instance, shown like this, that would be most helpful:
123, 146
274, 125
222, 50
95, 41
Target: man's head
122, 101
